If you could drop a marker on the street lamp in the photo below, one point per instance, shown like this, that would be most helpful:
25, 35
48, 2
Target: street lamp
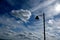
37, 17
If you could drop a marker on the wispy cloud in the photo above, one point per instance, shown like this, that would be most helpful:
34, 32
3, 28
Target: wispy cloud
24, 15
11, 28
43, 4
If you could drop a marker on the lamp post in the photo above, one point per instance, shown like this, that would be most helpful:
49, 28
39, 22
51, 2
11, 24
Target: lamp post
44, 26
43, 15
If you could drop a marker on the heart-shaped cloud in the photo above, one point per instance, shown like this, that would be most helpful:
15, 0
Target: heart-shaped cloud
24, 15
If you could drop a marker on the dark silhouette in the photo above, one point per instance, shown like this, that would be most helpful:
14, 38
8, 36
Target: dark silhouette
44, 26
37, 17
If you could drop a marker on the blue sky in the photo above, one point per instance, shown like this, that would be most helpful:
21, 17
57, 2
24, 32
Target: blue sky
12, 26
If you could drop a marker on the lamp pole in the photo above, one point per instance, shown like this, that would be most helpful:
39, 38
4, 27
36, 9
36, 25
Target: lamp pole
44, 26
43, 15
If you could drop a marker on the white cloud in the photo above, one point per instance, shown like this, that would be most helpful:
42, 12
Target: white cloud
43, 4
24, 15
50, 21
57, 8
53, 31
36, 34
52, 10
6, 31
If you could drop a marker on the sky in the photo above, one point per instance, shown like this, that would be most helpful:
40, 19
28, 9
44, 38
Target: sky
17, 19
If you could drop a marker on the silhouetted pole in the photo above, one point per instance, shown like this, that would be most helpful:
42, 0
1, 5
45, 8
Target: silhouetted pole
44, 26
43, 23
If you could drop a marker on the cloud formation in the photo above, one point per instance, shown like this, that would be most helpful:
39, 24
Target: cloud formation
43, 4
24, 15
15, 29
